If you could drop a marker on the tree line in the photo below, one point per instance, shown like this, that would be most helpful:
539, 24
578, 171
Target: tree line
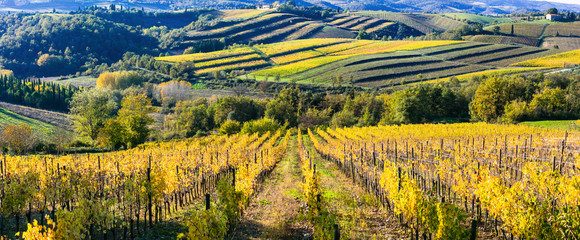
485, 98
36, 93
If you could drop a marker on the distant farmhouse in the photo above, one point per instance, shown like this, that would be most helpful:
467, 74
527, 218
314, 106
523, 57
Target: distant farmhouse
265, 7
553, 17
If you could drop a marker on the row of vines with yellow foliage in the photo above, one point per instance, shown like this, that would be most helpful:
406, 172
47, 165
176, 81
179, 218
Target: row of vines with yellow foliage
120, 194
520, 179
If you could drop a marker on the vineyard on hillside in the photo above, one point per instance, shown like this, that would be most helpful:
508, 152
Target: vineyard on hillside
453, 181
119, 195
365, 63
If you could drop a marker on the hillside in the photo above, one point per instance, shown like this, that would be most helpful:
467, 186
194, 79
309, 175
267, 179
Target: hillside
364, 63
9, 117
561, 35
425, 23
269, 27
482, 6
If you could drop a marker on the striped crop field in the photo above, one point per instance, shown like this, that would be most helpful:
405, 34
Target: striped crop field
242, 13
264, 27
199, 57
298, 45
391, 46
379, 27
344, 46
425, 23
494, 72
295, 57
558, 60
239, 66
534, 42
293, 68
376, 64
228, 61
355, 23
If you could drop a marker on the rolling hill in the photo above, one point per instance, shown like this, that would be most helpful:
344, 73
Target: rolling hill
561, 35
269, 27
365, 63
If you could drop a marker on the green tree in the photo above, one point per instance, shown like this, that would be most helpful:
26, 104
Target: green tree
90, 111
230, 127
551, 102
282, 111
496, 30
362, 34
113, 135
191, 117
552, 11
241, 109
494, 93
134, 116
344, 118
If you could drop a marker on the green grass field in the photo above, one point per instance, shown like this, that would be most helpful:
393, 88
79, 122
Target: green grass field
478, 18
9, 117
557, 124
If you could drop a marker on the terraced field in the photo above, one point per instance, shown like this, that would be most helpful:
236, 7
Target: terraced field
558, 60
368, 63
355, 23
247, 26
496, 39
425, 23
534, 30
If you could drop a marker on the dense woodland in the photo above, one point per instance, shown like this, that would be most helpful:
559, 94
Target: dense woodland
52, 45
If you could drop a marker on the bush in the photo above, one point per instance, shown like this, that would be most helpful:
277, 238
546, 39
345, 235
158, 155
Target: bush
230, 127
205, 224
344, 119
119, 80
516, 111
260, 126
18, 138
551, 102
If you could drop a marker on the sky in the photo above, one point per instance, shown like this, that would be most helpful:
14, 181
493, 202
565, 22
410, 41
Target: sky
566, 1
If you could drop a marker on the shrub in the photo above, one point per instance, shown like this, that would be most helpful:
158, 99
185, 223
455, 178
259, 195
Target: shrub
549, 103
344, 119
516, 111
17, 138
230, 127
260, 126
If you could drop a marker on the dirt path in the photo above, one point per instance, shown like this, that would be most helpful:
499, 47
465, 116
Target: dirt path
272, 212
360, 215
